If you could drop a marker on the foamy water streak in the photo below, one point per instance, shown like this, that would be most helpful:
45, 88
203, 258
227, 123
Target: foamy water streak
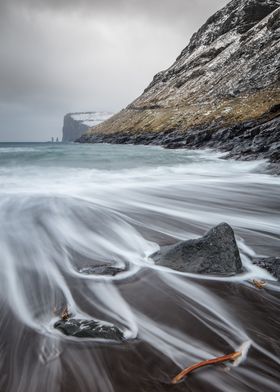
68, 207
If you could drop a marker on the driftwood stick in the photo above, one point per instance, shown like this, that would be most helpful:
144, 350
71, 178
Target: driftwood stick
230, 357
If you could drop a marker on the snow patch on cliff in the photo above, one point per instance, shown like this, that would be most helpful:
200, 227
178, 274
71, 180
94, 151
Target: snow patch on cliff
91, 118
76, 124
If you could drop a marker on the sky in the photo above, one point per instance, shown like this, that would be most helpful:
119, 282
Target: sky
61, 56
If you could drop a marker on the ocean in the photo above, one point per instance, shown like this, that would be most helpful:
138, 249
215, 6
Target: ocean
66, 207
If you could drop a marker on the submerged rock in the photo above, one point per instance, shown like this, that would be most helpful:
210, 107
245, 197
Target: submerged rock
89, 329
107, 269
215, 253
271, 264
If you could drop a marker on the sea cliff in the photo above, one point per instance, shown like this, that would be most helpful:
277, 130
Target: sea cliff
76, 124
223, 91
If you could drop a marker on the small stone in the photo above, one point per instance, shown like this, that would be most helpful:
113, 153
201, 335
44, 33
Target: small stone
89, 329
107, 269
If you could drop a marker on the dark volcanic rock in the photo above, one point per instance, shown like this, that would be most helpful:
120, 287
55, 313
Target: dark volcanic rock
215, 253
271, 264
89, 329
107, 269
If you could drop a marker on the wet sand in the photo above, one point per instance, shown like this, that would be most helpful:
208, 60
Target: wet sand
69, 364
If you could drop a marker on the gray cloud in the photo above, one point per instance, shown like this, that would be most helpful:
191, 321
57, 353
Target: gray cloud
69, 55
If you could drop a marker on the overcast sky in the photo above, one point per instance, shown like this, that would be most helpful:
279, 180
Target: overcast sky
60, 56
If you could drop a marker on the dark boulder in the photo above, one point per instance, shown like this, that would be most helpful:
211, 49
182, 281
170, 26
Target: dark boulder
215, 253
89, 329
271, 264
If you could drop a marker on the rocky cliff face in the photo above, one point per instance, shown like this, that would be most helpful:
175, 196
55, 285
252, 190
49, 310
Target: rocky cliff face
76, 124
229, 74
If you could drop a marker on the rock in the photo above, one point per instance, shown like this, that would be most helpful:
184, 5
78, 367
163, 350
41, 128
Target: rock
101, 270
89, 329
271, 264
215, 253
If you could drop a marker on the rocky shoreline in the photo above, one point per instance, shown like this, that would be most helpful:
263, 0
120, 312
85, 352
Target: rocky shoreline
250, 140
